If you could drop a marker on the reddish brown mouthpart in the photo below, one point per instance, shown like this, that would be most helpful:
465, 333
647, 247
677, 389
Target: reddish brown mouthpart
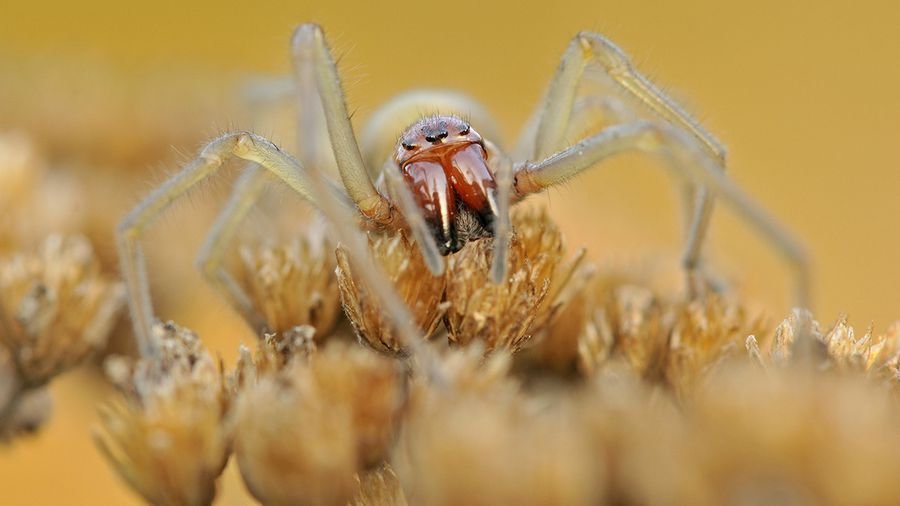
444, 162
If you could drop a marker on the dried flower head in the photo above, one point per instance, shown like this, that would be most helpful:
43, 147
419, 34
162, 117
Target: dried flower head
167, 436
292, 284
292, 445
747, 437
555, 346
494, 446
705, 333
627, 324
305, 431
21, 410
790, 437
837, 349
505, 315
56, 307
274, 353
379, 487
404, 266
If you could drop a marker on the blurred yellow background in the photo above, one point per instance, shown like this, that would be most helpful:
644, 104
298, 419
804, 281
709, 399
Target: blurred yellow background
803, 93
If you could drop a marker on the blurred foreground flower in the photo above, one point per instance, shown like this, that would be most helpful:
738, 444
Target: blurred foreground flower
305, 432
166, 436
56, 308
480, 439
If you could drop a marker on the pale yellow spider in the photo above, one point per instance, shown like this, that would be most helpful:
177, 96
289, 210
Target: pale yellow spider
442, 180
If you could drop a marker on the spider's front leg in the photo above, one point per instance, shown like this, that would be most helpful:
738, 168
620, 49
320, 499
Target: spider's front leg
309, 46
315, 83
690, 161
242, 145
560, 110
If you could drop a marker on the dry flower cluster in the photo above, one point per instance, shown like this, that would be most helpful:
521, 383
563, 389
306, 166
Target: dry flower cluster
567, 384
588, 389
56, 305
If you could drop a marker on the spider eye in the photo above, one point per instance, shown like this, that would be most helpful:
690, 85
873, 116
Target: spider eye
409, 147
465, 131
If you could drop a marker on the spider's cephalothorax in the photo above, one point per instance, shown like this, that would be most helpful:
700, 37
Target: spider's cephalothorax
444, 161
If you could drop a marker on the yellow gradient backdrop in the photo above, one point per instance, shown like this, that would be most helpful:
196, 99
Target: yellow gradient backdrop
804, 93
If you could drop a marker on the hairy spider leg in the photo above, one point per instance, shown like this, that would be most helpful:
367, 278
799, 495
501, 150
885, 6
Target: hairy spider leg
251, 185
688, 160
308, 183
555, 114
241, 145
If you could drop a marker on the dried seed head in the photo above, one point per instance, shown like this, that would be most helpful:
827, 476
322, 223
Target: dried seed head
373, 386
747, 437
292, 445
705, 333
21, 411
166, 437
628, 324
505, 315
555, 347
837, 349
274, 353
470, 370
292, 285
379, 487
477, 447
55, 307
303, 433
404, 266
793, 437
674, 343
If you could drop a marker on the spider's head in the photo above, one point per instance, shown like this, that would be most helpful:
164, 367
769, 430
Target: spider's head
444, 162
432, 135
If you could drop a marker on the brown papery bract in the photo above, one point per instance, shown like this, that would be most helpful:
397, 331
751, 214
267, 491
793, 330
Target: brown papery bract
506, 315
293, 284
404, 266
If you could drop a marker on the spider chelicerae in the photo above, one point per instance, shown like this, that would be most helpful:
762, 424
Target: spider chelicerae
443, 181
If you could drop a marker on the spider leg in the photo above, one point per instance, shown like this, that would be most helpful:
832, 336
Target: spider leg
547, 133
242, 145
312, 57
414, 218
690, 161
247, 191
311, 131
500, 202
310, 52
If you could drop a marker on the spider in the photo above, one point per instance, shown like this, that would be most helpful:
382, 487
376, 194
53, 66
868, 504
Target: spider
443, 180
